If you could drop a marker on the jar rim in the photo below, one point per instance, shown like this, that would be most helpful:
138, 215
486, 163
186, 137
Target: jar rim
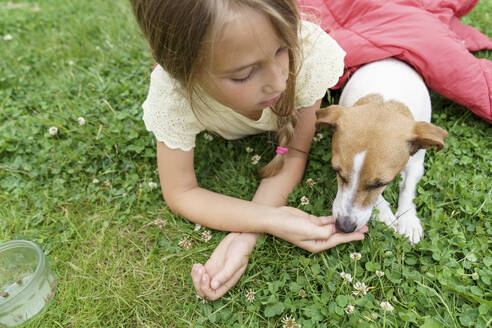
39, 266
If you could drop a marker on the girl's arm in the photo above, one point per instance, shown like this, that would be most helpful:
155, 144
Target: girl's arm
275, 190
183, 195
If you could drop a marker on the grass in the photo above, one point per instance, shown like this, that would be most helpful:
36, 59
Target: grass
115, 245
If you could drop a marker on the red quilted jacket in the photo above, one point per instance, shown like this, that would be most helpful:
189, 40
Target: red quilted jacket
424, 33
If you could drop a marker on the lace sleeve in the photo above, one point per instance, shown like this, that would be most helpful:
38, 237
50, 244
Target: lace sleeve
167, 113
321, 67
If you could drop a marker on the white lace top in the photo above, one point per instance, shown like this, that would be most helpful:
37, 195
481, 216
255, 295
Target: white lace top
167, 112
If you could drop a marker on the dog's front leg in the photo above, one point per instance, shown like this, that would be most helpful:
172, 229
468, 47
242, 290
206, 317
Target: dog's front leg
408, 224
385, 213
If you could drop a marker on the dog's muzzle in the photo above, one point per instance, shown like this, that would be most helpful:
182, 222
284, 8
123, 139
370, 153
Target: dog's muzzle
344, 224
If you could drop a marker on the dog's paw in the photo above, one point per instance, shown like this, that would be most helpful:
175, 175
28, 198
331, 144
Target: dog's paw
386, 216
409, 226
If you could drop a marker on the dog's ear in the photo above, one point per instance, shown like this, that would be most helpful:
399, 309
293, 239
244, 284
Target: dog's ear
427, 135
328, 116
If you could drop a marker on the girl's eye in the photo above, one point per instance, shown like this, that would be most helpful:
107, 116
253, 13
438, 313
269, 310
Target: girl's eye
242, 80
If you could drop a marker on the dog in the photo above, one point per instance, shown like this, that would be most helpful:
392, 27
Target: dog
381, 127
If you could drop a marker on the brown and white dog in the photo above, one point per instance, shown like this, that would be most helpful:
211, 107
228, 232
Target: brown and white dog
381, 128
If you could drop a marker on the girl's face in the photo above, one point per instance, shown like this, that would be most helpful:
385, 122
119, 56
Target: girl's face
249, 68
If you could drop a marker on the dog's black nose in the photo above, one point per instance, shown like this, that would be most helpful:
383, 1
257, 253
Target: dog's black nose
343, 223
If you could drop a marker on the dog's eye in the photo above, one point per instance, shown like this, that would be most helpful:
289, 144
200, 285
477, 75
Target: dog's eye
376, 185
344, 180
337, 170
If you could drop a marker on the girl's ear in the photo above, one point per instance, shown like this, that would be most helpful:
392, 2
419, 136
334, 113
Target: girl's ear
328, 116
427, 135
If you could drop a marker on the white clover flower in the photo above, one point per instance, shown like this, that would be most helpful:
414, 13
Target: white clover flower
185, 243
360, 289
70, 62
250, 295
355, 256
374, 315
379, 273
197, 227
310, 182
304, 200
107, 183
8, 37
255, 159
53, 130
95, 181
318, 137
249, 150
347, 277
386, 306
152, 185
350, 309
206, 235
474, 276
160, 223
81, 120
302, 293
290, 322
208, 136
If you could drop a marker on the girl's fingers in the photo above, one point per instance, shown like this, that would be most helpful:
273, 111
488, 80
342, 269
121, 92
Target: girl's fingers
208, 292
225, 275
196, 275
217, 293
341, 238
318, 245
321, 232
327, 220
205, 285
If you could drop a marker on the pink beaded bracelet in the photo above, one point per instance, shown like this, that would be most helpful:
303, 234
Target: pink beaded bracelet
281, 150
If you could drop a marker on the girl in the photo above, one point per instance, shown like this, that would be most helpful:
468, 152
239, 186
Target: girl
237, 67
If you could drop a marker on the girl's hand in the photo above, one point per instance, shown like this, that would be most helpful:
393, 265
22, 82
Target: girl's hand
224, 268
310, 232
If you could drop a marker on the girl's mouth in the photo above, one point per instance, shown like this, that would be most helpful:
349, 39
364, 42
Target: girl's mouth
271, 101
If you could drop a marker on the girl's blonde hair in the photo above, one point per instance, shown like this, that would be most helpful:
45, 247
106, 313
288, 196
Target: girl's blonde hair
178, 30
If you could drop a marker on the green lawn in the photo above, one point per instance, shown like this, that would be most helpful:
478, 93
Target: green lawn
115, 245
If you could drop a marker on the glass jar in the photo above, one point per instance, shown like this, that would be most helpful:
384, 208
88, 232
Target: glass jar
27, 284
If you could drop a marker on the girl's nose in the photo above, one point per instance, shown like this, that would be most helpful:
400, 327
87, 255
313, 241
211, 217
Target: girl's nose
276, 79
